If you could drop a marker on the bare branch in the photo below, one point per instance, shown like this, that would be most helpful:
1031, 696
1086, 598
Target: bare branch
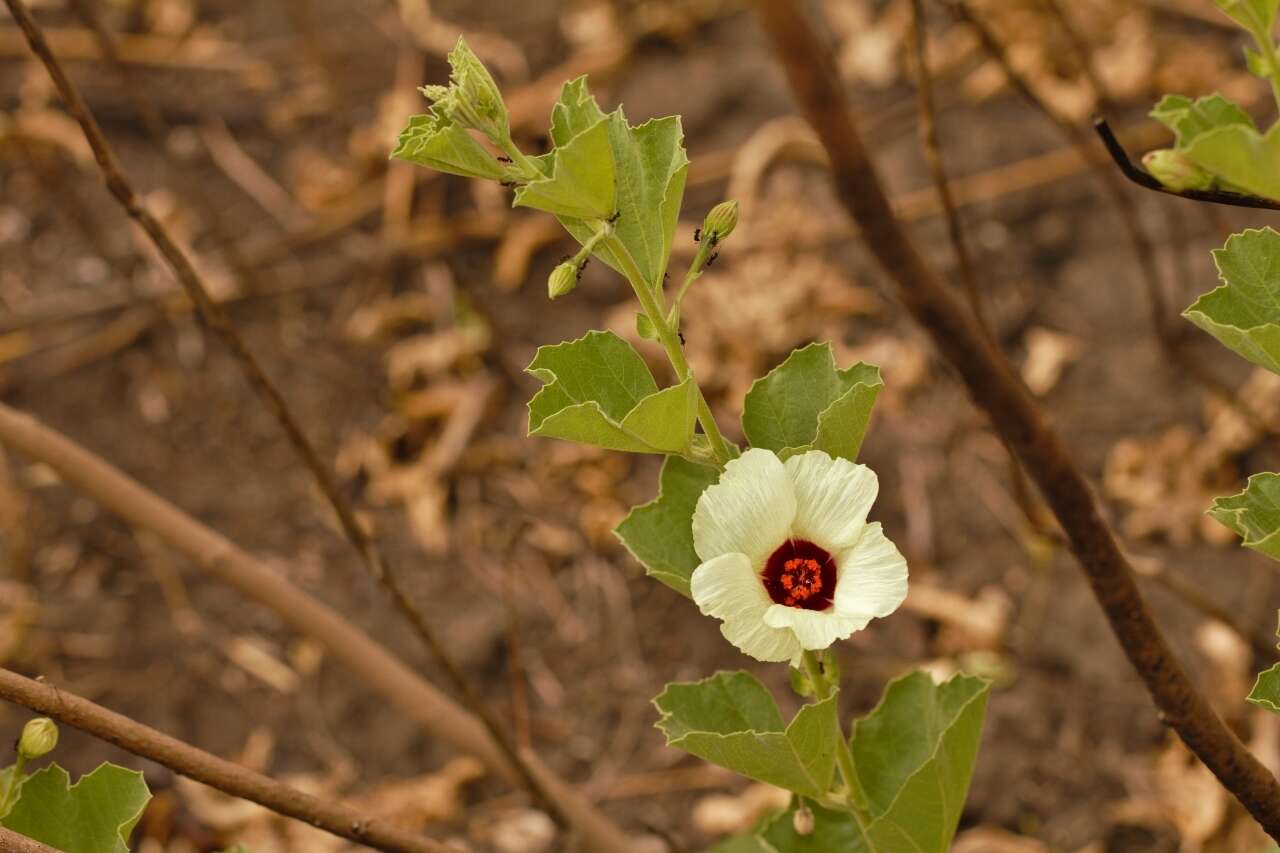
994, 386
134, 737
382, 671
12, 842
219, 321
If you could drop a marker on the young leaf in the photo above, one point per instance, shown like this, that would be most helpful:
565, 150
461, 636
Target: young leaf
1244, 312
1256, 16
600, 392
1241, 158
439, 144
1188, 119
660, 533
1254, 514
95, 815
914, 756
731, 720
581, 184
805, 403
575, 112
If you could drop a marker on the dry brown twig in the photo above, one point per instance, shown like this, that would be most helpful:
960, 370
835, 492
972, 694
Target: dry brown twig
994, 386
12, 842
382, 671
219, 321
335, 818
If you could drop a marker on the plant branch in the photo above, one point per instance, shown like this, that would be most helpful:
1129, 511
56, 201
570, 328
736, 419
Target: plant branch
995, 387
13, 842
220, 322
335, 818
369, 661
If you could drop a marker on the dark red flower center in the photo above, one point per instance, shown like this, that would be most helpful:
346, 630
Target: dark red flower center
800, 574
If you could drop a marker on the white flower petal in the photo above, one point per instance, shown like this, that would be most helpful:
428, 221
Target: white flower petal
833, 497
871, 579
813, 629
748, 512
728, 588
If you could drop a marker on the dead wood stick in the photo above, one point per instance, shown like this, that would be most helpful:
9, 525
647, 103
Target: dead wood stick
368, 660
995, 387
332, 817
220, 322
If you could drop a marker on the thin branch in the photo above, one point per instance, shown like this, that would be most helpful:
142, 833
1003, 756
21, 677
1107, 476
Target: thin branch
12, 842
1146, 180
1139, 240
218, 320
132, 736
995, 387
369, 661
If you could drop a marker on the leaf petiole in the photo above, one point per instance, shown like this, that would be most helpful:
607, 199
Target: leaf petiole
844, 755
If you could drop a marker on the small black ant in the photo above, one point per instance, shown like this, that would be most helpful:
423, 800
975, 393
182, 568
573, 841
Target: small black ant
711, 260
617, 214
502, 159
680, 335
697, 235
713, 238
582, 266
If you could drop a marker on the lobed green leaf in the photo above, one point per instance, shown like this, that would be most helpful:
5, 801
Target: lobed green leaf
95, 815
1266, 690
1254, 514
660, 533
1189, 118
805, 403
1241, 158
1244, 312
731, 720
599, 391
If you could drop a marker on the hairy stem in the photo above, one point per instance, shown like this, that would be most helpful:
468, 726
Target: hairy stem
844, 755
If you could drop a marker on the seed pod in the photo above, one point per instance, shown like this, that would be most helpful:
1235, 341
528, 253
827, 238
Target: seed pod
1176, 170
39, 737
563, 279
720, 222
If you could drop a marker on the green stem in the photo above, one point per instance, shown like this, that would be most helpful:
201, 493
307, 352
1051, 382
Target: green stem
10, 784
844, 755
1267, 48
698, 264
530, 171
670, 341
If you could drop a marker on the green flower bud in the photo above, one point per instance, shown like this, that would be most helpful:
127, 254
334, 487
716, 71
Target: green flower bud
476, 101
564, 278
1176, 170
39, 737
720, 222
802, 821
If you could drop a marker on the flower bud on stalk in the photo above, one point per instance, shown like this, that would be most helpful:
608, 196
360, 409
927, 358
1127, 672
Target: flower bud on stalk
563, 279
720, 222
39, 737
1176, 170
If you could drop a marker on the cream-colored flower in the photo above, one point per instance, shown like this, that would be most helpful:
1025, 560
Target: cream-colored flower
789, 561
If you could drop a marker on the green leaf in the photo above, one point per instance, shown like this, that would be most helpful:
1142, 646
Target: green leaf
1254, 514
581, 184
660, 533
1266, 691
833, 832
1188, 119
1241, 157
575, 112
1244, 312
599, 391
439, 144
95, 815
806, 403
731, 720
1256, 16
914, 756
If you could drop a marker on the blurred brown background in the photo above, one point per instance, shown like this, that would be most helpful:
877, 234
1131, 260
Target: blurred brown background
397, 308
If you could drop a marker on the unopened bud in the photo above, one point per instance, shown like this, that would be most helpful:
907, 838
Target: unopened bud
564, 278
1176, 170
720, 222
802, 820
39, 737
